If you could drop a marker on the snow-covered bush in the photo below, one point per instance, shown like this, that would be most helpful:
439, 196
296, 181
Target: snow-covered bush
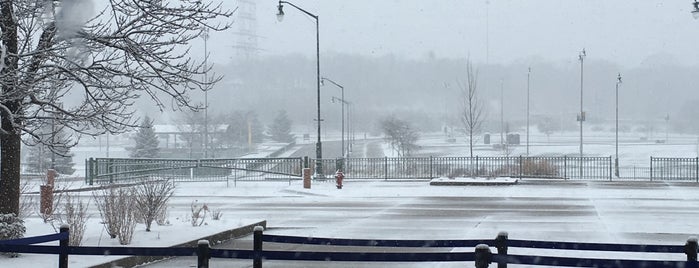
216, 214
116, 207
151, 199
198, 213
11, 227
127, 225
74, 213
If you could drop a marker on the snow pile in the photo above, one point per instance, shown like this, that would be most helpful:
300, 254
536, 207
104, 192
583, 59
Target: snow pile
441, 181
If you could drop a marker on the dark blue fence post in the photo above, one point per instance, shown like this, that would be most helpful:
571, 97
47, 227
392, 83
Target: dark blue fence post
690, 248
257, 246
203, 254
63, 244
501, 245
483, 256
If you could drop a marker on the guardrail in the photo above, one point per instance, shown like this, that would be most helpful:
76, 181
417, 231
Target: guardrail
481, 256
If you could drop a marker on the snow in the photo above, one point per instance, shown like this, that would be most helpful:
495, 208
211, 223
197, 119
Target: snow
474, 181
536, 209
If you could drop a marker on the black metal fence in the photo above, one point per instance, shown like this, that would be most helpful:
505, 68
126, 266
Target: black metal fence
673, 168
111, 170
599, 168
107, 170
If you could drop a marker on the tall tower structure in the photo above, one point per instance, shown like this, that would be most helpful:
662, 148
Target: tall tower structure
246, 36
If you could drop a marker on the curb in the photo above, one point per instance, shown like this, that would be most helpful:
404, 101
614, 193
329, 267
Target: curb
214, 239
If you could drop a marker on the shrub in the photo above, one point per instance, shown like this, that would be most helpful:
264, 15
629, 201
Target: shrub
538, 168
151, 199
198, 213
74, 213
11, 227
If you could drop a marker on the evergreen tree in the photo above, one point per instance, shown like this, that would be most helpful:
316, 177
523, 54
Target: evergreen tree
40, 157
241, 126
146, 141
280, 130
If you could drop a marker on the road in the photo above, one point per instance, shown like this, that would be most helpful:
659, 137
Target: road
331, 149
652, 213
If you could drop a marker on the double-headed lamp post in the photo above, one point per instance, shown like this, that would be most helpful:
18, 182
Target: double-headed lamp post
616, 146
319, 148
342, 102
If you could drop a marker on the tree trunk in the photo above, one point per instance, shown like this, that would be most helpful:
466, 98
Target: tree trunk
9, 173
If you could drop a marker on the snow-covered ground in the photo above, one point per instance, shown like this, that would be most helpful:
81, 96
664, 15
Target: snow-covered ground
625, 212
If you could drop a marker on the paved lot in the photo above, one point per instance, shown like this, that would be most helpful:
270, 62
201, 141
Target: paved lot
652, 213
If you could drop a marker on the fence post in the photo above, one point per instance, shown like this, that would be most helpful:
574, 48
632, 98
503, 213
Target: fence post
477, 167
385, 170
501, 245
565, 167
257, 247
520, 167
690, 248
92, 170
483, 256
431, 176
651, 168
63, 244
203, 254
610, 168
696, 169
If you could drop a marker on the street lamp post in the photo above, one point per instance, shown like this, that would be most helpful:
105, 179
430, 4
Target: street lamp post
581, 116
616, 149
205, 36
342, 102
528, 75
319, 149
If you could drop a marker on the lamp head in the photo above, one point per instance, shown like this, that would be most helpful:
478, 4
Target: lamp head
618, 78
695, 12
280, 13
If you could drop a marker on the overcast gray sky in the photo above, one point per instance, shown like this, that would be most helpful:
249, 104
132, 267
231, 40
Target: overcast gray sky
623, 32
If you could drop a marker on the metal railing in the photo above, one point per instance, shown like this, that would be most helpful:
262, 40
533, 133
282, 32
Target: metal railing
112, 170
430, 167
109, 170
674, 168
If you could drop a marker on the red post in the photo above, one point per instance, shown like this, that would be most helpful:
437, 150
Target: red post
46, 191
307, 178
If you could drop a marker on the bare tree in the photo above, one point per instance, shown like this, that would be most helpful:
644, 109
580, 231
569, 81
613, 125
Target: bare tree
151, 198
472, 110
98, 63
400, 135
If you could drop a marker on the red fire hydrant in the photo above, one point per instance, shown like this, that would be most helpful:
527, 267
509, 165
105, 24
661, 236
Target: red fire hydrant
338, 179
